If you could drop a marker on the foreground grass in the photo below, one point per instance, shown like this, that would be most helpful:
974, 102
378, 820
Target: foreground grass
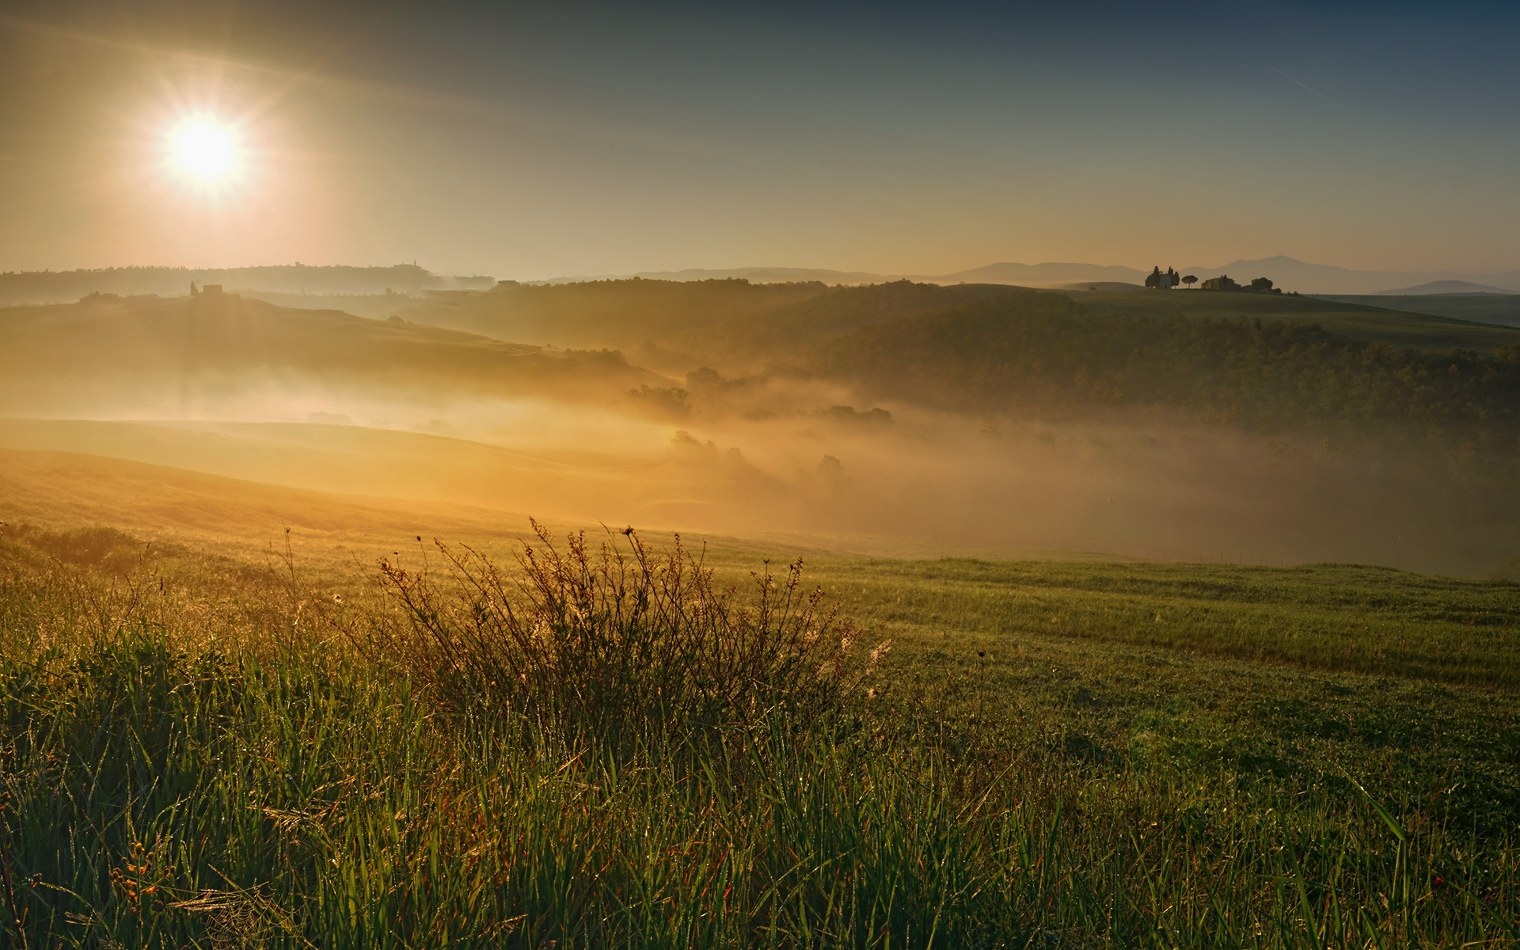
193, 756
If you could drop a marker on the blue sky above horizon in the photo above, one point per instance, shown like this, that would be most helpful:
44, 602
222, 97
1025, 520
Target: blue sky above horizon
535, 140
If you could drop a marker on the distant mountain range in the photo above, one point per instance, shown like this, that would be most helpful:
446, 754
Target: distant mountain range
755, 275
1287, 273
407, 279
1445, 287
1041, 275
66, 286
1296, 275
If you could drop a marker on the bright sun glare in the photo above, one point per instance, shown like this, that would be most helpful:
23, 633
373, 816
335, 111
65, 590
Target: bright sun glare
205, 150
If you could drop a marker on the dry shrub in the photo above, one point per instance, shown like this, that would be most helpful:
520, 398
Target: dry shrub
620, 644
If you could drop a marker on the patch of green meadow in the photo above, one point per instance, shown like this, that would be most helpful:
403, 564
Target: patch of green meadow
205, 751
1371, 318
1312, 678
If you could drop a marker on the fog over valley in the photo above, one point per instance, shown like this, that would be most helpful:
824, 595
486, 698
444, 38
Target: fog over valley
964, 419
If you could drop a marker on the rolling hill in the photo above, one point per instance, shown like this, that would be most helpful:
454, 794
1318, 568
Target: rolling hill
32, 287
1496, 309
1443, 287
388, 470
194, 354
1372, 319
1042, 352
161, 502
1041, 275
678, 326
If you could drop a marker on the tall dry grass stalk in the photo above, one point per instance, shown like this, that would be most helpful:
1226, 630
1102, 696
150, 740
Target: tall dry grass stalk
617, 643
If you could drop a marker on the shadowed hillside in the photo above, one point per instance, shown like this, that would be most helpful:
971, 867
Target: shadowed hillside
731, 324
60, 286
223, 352
1498, 309
1373, 319
1043, 353
624, 313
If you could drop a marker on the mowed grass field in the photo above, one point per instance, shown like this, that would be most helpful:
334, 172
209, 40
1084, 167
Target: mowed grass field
221, 734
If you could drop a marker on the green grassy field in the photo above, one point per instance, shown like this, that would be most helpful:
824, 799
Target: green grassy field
217, 742
1367, 318
1498, 309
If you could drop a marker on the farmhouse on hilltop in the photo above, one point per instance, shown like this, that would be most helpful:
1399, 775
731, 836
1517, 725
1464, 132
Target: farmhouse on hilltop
1159, 279
1261, 285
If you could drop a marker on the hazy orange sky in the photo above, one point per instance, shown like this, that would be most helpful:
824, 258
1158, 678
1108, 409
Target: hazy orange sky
529, 141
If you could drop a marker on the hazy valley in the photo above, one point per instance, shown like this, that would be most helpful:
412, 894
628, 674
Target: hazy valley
964, 419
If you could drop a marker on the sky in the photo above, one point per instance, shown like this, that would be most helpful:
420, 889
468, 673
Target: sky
535, 140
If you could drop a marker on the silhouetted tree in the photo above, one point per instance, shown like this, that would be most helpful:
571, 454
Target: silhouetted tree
1190, 280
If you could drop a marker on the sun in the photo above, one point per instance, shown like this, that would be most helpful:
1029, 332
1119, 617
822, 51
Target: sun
205, 150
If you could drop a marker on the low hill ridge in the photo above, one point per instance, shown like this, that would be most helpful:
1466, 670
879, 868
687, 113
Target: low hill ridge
65, 286
1445, 287
194, 351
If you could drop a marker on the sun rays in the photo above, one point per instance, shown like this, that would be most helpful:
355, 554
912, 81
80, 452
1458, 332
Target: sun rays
205, 149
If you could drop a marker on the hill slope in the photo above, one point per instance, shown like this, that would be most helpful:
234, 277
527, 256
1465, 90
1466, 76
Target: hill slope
1501, 310
1371, 319
1445, 287
192, 354
1042, 353
64, 286
723, 323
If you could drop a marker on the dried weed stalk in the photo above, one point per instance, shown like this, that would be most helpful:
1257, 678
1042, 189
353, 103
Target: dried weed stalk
619, 644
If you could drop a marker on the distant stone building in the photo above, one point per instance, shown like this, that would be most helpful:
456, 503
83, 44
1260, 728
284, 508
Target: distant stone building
1261, 285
